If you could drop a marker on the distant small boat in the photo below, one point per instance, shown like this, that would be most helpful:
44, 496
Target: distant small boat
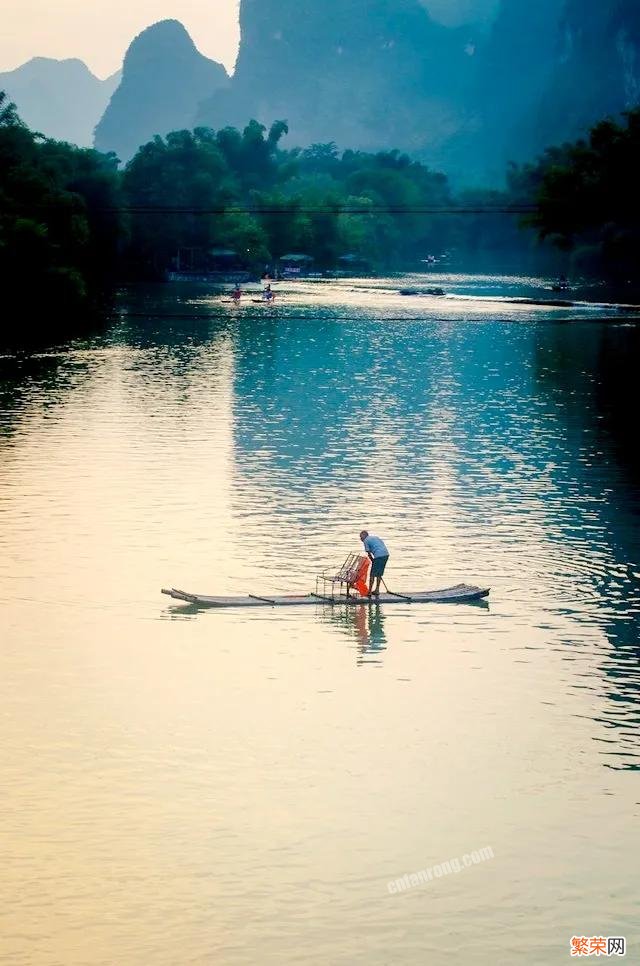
460, 594
439, 292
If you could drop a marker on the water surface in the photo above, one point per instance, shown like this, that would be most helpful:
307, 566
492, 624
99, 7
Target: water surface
185, 786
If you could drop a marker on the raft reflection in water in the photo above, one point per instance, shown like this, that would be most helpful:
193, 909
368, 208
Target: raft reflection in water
365, 625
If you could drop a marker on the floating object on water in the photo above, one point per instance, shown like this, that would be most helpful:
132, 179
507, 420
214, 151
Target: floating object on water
439, 292
460, 594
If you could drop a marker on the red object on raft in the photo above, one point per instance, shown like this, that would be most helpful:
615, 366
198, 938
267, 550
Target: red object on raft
361, 583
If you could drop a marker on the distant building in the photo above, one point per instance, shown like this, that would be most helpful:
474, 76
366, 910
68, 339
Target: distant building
295, 265
200, 264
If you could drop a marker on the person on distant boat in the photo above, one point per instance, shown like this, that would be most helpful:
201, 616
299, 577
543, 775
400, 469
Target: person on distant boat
237, 293
378, 554
268, 295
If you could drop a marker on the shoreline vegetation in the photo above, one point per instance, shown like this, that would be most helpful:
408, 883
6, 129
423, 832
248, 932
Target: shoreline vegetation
73, 224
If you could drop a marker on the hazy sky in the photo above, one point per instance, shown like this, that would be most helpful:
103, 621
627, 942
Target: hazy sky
99, 31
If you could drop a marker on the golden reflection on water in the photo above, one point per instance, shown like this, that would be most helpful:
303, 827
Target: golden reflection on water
187, 786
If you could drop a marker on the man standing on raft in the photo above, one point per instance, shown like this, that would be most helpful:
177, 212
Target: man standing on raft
378, 554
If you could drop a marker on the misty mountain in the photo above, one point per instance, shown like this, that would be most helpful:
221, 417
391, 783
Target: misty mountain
548, 72
466, 97
514, 66
59, 98
375, 74
596, 71
368, 74
164, 78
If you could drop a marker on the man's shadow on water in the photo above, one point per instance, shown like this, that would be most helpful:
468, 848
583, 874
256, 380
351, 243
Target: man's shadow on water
364, 623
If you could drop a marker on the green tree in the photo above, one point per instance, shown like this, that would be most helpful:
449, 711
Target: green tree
587, 197
54, 238
186, 171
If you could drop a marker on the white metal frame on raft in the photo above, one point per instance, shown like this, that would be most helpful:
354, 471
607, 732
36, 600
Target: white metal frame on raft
347, 575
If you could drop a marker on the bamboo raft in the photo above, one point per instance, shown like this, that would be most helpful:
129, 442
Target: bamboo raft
460, 594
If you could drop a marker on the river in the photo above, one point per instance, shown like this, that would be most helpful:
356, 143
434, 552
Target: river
201, 787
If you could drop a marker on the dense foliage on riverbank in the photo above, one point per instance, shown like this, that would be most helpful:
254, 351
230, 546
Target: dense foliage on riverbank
58, 241
588, 201
71, 222
266, 202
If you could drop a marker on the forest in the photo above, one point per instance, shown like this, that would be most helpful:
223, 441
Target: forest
73, 223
